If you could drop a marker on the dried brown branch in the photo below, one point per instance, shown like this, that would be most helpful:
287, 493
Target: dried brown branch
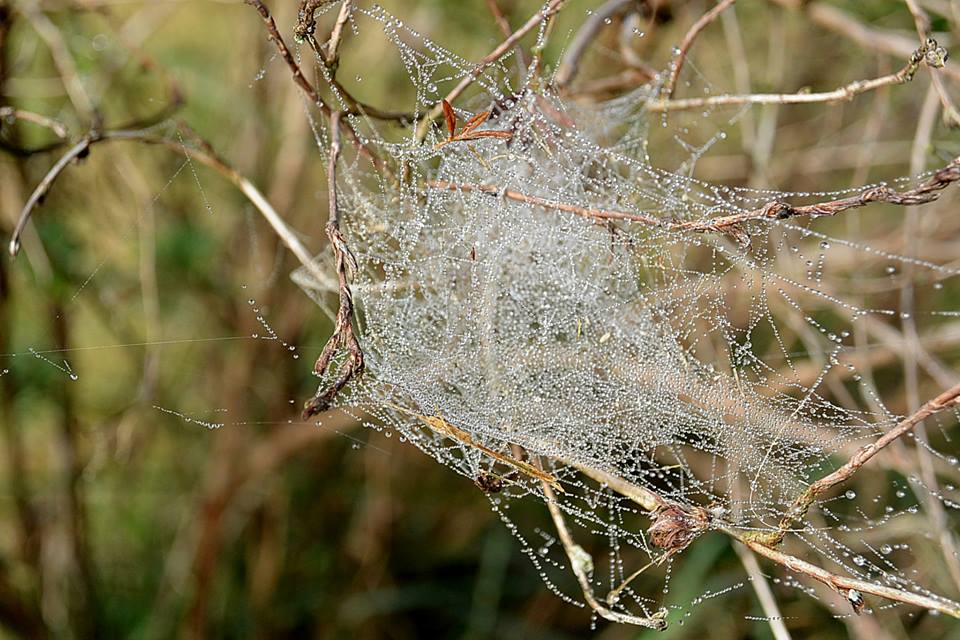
687, 42
346, 266
844, 585
274, 35
922, 22
803, 502
592, 214
930, 53
552, 8
927, 191
301, 80
332, 50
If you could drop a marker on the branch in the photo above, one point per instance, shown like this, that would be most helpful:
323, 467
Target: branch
582, 564
593, 214
336, 34
204, 155
801, 505
63, 61
929, 52
850, 588
768, 602
298, 77
343, 334
301, 81
922, 22
921, 194
55, 126
687, 42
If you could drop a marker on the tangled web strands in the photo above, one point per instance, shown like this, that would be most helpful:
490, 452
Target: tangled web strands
497, 316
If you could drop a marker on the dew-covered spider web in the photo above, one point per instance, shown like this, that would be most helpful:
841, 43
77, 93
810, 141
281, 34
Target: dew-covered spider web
535, 300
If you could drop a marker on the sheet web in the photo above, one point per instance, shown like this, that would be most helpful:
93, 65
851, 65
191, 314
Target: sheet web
545, 313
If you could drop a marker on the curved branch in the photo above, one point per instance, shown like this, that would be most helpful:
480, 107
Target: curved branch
204, 155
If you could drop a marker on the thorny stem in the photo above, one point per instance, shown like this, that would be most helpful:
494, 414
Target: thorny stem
550, 9
930, 53
687, 42
803, 502
346, 266
927, 191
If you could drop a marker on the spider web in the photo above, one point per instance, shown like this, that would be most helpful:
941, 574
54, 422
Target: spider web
720, 371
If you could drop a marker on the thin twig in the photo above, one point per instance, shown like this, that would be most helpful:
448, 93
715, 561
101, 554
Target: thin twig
922, 22
846, 92
801, 505
833, 19
63, 60
927, 191
332, 52
594, 214
768, 602
346, 265
301, 81
298, 77
582, 564
55, 126
204, 155
687, 42
843, 585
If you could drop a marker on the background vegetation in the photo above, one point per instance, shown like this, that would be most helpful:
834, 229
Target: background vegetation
122, 516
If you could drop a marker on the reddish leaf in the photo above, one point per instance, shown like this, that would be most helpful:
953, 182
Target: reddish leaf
450, 117
475, 122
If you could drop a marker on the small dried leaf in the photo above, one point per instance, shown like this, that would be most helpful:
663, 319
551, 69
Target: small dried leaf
474, 122
450, 117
